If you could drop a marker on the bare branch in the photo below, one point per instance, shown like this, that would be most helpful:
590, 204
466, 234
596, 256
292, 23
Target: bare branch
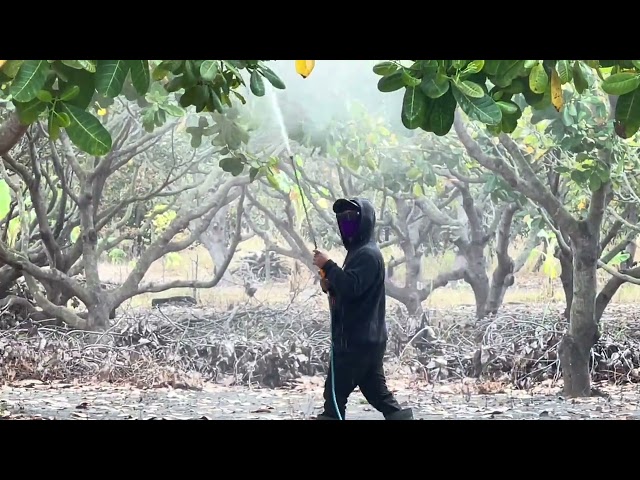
531, 187
152, 287
630, 276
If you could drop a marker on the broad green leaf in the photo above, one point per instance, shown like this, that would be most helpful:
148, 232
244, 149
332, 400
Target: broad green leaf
159, 74
73, 64
414, 173
636, 63
517, 86
579, 176
579, 78
564, 71
62, 119
530, 63
434, 84
474, 67
70, 93
233, 65
621, 83
53, 126
604, 174
508, 108
409, 80
172, 66
271, 178
470, 89
44, 96
619, 258
538, 79
510, 120
86, 132
196, 96
5, 199
172, 110
627, 114
594, 182
29, 112
352, 162
484, 109
371, 163
256, 84
232, 165
30, 80
11, 68
253, 173
417, 190
458, 64
239, 97
209, 70
110, 76
384, 68
140, 75
504, 71
215, 100
175, 84
391, 83
88, 65
272, 77
440, 114
413, 108
84, 80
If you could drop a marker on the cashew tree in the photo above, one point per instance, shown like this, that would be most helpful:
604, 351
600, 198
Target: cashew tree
439, 94
68, 93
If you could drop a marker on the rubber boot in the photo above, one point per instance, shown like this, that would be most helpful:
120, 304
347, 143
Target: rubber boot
323, 416
404, 414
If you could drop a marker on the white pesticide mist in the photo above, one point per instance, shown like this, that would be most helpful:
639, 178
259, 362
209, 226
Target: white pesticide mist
279, 118
328, 95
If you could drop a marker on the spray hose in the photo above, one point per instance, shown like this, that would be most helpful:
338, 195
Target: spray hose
315, 244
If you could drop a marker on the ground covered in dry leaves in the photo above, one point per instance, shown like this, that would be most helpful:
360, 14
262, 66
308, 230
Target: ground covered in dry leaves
268, 363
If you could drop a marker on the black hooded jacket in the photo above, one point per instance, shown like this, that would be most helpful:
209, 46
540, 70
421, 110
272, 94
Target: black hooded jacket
357, 289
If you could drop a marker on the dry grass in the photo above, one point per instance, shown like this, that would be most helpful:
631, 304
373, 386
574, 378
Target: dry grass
530, 288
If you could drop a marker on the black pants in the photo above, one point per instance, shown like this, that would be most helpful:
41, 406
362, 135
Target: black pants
362, 367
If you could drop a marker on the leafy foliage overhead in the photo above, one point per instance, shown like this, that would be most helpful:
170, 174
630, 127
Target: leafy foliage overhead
485, 89
63, 91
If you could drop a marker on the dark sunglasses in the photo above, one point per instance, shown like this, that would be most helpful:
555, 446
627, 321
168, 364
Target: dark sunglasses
348, 215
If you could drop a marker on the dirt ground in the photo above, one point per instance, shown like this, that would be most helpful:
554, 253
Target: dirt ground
36, 400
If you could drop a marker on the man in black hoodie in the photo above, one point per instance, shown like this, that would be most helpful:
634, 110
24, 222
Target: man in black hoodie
357, 299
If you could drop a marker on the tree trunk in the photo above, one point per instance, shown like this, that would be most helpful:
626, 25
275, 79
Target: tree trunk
502, 277
574, 350
215, 239
501, 280
476, 276
98, 314
413, 304
566, 277
11, 131
406, 296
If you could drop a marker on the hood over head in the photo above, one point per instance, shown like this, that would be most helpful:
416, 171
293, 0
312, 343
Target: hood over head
367, 224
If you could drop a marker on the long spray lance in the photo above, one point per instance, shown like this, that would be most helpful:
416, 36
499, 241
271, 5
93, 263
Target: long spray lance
304, 206
315, 244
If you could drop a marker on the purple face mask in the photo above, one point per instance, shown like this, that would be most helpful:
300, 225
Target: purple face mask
348, 223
